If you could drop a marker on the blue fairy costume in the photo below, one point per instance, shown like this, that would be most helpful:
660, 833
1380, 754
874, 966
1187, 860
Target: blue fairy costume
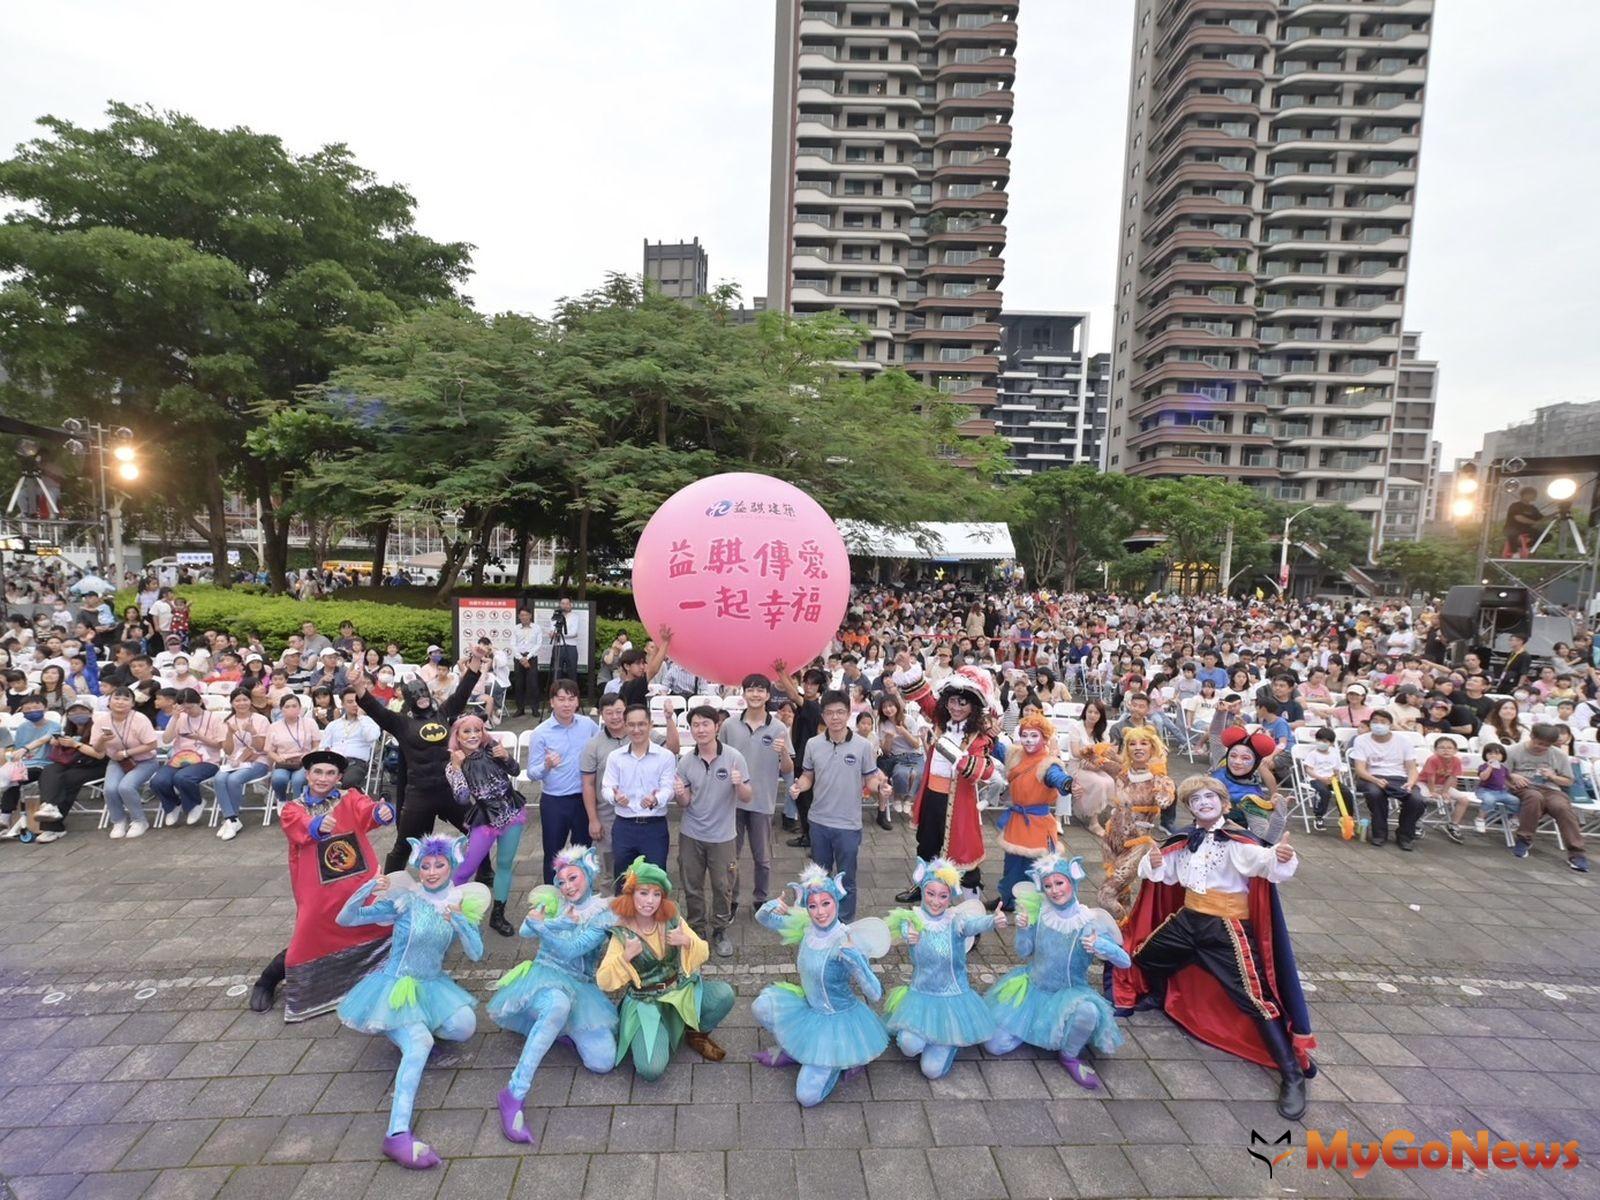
555, 995
409, 998
938, 1012
1047, 1001
821, 1023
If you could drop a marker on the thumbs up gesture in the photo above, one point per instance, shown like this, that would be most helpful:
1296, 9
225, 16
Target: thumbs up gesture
1283, 850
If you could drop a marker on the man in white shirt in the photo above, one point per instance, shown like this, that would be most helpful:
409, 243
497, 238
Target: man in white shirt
639, 781
527, 643
1386, 769
161, 613
355, 735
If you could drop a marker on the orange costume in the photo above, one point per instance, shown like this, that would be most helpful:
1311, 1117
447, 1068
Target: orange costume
1031, 826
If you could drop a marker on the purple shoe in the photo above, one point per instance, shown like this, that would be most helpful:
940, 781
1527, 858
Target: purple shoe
512, 1122
409, 1153
850, 1073
1082, 1073
774, 1057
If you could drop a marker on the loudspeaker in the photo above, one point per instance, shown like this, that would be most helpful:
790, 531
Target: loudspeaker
1458, 616
1506, 597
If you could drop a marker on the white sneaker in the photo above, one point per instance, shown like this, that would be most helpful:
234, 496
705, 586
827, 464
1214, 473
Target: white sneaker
230, 829
119, 829
49, 835
16, 829
1480, 825
47, 812
195, 813
138, 829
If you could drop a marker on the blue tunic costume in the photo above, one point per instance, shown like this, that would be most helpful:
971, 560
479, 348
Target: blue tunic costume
938, 1012
822, 1024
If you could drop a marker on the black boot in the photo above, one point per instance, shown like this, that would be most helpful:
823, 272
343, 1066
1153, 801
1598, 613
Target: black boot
261, 997
266, 987
1292, 1088
910, 896
497, 919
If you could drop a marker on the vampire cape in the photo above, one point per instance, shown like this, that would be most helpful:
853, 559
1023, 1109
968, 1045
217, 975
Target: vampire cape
1194, 999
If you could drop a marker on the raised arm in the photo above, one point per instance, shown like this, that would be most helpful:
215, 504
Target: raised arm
356, 911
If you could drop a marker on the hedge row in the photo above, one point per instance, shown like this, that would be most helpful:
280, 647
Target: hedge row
245, 611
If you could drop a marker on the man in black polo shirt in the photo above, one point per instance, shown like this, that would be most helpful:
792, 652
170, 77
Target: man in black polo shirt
807, 720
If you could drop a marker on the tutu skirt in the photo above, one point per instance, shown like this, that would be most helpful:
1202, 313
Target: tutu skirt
516, 1005
382, 1002
959, 1020
848, 1037
1042, 1017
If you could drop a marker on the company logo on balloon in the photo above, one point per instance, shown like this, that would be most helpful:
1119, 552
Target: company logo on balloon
720, 508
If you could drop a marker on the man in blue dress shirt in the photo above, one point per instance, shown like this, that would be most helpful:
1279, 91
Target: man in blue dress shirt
554, 756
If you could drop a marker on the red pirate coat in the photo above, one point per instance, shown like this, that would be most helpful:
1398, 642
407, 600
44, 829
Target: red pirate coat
963, 829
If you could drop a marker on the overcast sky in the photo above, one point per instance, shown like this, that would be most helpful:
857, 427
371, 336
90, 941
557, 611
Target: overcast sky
558, 136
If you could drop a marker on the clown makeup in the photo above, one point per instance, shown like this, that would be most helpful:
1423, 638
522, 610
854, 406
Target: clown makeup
434, 872
572, 882
822, 908
1057, 888
1241, 760
935, 897
646, 900
1031, 740
1206, 805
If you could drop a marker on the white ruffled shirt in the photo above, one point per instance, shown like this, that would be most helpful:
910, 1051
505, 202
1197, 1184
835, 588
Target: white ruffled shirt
1219, 866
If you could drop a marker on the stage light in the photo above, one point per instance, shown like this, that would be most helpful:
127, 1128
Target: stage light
1462, 509
1466, 486
128, 471
123, 454
1562, 489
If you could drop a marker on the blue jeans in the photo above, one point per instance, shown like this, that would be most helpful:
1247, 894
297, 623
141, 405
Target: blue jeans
907, 774
229, 784
633, 836
1493, 804
180, 786
286, 780
835, 850
122, 787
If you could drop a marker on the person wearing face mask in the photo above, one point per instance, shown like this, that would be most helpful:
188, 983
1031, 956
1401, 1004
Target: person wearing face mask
1030, 828
382, 685
29, 755
422, 733
1211, 948
74, 763
825, 1029
1386, 769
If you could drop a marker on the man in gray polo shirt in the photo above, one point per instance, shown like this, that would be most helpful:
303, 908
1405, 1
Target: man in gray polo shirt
712, 782
613, 735
764, 742
838, 763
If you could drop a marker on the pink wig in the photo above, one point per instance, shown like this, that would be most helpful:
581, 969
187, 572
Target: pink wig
462, 725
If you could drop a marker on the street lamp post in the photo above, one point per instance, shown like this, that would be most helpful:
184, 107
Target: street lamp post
115, 457
1283, 549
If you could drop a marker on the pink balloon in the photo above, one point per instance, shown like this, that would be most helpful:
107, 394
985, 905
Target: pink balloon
745, 570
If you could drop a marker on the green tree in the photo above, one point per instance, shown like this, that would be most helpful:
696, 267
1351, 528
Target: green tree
193, 275
1067, 521
1431, 565
1196, 512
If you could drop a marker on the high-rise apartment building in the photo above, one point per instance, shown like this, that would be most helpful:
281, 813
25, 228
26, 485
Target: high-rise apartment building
1413, 454
1046, 410
1266, 233
679, 269
891, 127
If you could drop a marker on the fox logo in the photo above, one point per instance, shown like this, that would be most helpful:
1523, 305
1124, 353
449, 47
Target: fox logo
1276, 1160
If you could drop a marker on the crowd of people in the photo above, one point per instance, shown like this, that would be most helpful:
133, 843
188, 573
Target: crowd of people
933, 706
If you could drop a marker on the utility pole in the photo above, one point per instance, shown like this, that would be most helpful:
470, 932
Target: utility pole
1225, 575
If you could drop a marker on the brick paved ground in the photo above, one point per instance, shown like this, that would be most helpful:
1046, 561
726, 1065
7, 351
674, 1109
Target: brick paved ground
1454, 988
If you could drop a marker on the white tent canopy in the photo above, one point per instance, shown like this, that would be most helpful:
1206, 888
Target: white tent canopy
941, 541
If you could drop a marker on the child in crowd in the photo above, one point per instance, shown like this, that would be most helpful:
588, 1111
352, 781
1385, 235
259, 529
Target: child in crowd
1438, 782
1322, 765
1494, 787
